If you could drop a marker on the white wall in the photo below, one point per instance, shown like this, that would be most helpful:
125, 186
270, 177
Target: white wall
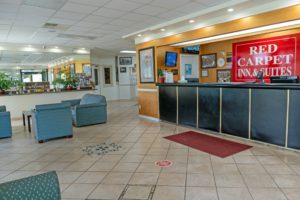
124, 89
110, 92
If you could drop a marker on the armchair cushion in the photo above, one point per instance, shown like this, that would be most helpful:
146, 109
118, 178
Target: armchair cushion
72, 102
43, 186
92, 98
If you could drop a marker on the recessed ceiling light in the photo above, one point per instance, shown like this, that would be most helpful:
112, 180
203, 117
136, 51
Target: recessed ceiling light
191, 21
230, 10
56, 47
139, 35
163, 29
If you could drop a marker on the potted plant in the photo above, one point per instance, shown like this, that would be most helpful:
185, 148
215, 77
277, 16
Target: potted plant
70, 83
161, 78
18, 85
58, 83
5, 83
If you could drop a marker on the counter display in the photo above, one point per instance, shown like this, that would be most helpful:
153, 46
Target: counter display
262, 112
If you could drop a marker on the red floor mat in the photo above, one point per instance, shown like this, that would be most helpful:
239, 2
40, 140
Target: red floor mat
209, 144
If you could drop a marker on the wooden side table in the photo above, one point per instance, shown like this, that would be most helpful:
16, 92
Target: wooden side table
28, 115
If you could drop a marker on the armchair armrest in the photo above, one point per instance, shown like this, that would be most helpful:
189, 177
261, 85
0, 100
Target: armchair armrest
72, 102
3, 114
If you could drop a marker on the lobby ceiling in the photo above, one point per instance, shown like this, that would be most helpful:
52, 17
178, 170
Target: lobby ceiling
97, 23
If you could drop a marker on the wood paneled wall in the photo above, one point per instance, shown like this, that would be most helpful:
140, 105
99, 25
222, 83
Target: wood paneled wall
148, 101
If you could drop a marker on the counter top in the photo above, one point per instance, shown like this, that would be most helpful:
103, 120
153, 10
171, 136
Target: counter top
52, 92
294, 86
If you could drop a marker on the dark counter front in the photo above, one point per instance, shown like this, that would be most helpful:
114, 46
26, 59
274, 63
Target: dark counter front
264, 112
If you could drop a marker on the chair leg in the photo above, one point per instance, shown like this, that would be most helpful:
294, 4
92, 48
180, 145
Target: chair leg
41, 141
69, 136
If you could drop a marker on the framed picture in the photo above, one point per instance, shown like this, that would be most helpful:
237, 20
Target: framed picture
209, 60
223, 75
146, 65
87, 69
125, 60
122, 69
204, 73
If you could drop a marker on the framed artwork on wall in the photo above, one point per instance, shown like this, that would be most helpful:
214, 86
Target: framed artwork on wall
204, 73
209, 60
123, 70
223, 75
147, 65
125, 60
87, 69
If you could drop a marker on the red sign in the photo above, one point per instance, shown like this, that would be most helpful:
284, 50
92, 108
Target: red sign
274, 56
163, 163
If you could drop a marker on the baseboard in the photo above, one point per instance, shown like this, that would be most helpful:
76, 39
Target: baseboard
149, 118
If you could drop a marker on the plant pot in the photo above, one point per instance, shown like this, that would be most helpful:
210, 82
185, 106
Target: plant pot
161, 79
2, 92
69, 88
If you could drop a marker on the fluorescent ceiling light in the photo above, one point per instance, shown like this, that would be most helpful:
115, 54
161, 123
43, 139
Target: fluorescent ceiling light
139, 35
191, 21
82, 51
55, 50
163, 29
239, 33
128, 51
29, 48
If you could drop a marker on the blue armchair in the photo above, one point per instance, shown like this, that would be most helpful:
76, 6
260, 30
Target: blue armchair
5, 123
52, 121
43, 186
89, 110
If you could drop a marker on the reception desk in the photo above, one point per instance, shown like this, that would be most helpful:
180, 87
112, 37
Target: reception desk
269, 113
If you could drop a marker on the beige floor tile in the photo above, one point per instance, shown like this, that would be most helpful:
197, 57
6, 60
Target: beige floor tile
259, 181
144, 179
269, 160
218, 160
79, 166
229, 180
198, 193
287, 181
251, 169
176, 167
171, 179
91, 177
80, 191
267, 194
246, 159
234, 194
225, 169
201, 180
199, 159
68, 177
111, 158
132, 158
57, 166
168, 193
148, 167
278, 169
107, 192
35, 166
292, 194
200, 168
137, 192
295, 168
125, 167
114, 178
102, 166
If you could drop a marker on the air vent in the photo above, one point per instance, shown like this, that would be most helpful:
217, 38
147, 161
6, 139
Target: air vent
53, 4
53, 26
80, 37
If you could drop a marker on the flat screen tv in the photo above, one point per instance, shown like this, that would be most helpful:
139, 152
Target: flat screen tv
171, 59
191, 49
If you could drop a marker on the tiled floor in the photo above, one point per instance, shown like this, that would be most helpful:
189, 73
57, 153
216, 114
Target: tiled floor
262, 173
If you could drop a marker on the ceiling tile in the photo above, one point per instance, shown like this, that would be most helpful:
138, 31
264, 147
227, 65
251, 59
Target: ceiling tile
32, 10
80, 8
107, 12
61, 21
91, 2
122, 5
169, 4
135, 17
69, 15
97, 19
150, 10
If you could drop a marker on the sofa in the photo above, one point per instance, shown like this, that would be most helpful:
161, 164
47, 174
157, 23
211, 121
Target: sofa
89, 110
43, 186
5, 123
51, 121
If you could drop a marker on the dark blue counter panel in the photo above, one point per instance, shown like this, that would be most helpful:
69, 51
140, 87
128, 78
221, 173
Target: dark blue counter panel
294, 120
209, 108
187, 106
268, 116
168, 103
235, 112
